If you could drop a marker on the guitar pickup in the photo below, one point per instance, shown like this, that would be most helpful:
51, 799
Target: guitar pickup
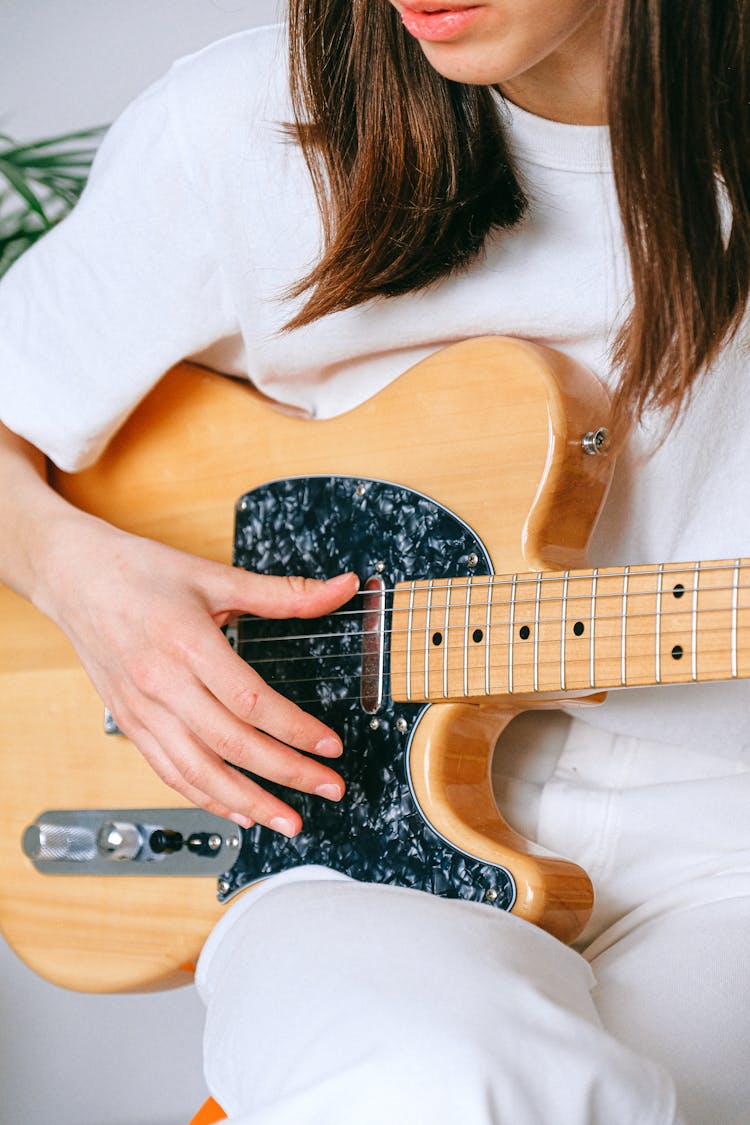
373, 644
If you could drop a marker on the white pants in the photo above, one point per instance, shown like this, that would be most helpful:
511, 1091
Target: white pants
331, 1001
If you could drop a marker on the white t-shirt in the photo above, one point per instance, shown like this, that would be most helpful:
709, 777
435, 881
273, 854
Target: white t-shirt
200, 214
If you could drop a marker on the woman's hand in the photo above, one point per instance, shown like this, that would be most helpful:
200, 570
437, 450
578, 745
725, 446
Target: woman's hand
144, 619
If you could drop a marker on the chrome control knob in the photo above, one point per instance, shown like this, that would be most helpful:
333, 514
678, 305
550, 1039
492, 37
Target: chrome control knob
59, 842
118, 840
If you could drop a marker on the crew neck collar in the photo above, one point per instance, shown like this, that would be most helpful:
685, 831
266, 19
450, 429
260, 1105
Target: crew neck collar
553, 144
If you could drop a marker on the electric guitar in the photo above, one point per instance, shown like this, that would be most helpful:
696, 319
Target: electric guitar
464, 495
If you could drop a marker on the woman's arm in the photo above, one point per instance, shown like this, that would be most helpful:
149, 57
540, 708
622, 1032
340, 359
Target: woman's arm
145, 620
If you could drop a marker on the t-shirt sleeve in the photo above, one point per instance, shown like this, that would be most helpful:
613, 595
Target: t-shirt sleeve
128, 284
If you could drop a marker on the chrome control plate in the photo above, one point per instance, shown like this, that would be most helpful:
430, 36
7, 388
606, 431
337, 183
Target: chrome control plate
131, 842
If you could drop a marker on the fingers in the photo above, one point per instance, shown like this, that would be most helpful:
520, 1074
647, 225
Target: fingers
248, 697
246, 746
188, 702
170, 774
192, 716
198, 774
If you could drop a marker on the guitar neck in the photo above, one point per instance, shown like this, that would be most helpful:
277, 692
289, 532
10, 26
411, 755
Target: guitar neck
577, 630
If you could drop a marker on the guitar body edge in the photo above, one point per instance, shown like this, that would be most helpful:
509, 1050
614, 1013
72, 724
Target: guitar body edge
491, 428
450, 766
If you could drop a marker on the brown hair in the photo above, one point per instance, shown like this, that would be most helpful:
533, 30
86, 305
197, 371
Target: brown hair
411, 172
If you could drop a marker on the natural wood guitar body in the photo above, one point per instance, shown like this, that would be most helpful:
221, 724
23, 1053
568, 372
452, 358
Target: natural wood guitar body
491, 428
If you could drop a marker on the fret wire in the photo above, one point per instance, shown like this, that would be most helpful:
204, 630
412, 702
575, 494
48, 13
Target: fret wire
624, 628
427, 639
694, 631
466, 637
657, 627
487, 625
735, 595
409, 626
536, 632
563, 623
594, 574
511, 630
445, 639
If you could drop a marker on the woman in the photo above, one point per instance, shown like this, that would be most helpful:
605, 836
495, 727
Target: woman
448, 175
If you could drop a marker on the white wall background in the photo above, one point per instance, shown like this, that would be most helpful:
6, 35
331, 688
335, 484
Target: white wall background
67, 1059
66, 64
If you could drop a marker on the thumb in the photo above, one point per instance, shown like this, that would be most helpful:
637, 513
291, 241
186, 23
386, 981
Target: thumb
269, 595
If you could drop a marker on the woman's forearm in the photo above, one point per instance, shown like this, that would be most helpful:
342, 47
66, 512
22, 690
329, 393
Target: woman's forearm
31, 517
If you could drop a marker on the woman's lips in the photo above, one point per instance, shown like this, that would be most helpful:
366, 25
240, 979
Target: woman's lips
438, 23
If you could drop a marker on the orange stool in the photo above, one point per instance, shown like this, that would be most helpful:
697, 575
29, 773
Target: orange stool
209, 1114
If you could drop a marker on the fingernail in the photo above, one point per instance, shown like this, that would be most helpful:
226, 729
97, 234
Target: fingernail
331, 792
343, 579
330, 747
243, 821
281, 824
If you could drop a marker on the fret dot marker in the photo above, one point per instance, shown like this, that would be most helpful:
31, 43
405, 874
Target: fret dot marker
524, 632
437, 638
578, 628
477, 635
678, 591
677, 652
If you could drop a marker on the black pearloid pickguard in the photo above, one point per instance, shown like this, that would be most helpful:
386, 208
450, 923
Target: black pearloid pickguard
318, 527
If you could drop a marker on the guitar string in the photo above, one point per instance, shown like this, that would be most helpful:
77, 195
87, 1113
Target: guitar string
519, 667
668, 637
458, 695
518, 602
615, 595
501, 623
498, 581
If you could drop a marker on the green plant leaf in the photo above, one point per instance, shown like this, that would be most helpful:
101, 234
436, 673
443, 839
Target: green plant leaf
21, 186
40, 182
93, 133
57, 160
